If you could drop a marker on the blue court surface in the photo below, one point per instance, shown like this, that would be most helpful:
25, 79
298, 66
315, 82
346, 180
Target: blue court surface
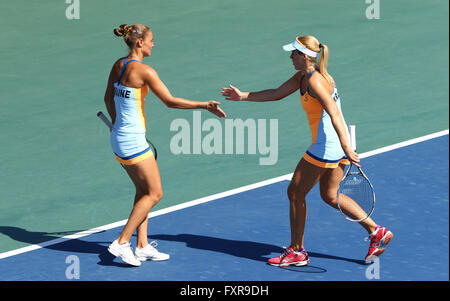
230, 239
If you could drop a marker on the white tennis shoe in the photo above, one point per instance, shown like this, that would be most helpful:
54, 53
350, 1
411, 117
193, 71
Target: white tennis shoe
149, 252
125, 253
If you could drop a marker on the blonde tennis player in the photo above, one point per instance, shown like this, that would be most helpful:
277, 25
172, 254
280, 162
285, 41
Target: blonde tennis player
329, 152
125, 94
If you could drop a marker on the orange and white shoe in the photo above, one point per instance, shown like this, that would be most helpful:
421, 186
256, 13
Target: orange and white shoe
379, 239
290, 257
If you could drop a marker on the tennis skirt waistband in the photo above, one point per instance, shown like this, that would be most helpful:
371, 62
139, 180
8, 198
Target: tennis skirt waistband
324, 163
147, 153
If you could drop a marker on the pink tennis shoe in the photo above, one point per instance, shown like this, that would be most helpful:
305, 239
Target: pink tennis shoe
290, 257
378, 242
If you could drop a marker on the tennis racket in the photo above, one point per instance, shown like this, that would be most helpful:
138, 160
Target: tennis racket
110, 125
356, 197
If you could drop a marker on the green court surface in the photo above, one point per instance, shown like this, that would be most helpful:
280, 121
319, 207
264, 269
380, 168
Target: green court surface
58, 174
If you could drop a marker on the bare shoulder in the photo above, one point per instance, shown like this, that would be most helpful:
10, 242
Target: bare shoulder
318, 82
148, 68
118, 64
116, 67
115, 70
149, 75
148, 71
317, 79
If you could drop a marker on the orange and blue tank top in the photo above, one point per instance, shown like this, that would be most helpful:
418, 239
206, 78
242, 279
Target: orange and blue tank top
130, 105
325, 150
128, 134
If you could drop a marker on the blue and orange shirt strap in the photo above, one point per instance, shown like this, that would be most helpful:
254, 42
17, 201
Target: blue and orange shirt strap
125, 63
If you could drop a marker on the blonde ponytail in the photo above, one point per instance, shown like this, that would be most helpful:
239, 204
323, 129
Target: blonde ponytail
313, 44
323, 62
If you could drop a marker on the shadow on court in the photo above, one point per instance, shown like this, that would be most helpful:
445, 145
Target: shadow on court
70, 245
244, 249
22, 235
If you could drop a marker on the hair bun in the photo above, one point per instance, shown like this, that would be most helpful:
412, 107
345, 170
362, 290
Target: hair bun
118, 32
122, 30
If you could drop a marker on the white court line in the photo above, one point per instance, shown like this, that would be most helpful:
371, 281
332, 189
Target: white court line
403, 144
209, 198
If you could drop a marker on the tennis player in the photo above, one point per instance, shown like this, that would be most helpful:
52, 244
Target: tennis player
330, 151
128, 85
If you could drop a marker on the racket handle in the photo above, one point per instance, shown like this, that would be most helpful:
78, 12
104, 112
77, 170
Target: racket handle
352, 131
104, 119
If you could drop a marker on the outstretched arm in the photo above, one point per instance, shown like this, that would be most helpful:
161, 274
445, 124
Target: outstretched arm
158, 88
286, 89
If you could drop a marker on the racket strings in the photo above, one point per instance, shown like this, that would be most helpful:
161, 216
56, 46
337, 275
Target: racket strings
356, 197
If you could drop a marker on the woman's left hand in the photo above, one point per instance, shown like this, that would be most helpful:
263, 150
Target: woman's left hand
213, 107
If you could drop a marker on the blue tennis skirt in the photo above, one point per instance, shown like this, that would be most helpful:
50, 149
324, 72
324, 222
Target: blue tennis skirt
130, 148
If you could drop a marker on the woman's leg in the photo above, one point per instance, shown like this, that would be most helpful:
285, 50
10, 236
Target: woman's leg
145, 176
306, 175
142, 229
380, 237
329, 185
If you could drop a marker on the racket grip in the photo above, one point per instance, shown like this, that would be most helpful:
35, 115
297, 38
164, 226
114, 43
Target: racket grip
104, 119
352, 132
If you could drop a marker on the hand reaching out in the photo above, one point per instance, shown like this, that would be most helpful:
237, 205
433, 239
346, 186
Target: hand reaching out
232, 93
213, 107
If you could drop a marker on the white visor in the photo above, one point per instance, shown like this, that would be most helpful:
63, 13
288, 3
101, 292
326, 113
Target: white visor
298, 46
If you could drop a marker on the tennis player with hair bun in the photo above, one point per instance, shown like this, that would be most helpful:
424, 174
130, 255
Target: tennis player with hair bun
128, 85
325, 159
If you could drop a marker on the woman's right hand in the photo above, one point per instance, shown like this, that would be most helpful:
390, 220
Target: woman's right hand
233, 93
352, 156
213, 107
